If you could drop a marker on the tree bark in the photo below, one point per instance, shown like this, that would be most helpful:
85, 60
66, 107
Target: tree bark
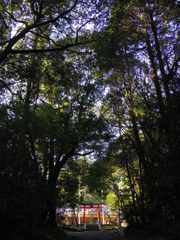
130, 183
21, 144
161, 64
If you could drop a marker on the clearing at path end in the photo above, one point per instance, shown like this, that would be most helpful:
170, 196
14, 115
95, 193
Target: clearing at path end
93, 235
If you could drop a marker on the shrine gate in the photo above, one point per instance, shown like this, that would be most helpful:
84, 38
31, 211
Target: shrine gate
85, 206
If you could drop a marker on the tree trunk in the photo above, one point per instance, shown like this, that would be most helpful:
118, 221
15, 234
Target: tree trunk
52, 218
131, 185
161, 64
21, 144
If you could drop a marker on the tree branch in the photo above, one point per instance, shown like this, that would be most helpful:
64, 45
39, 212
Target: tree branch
83, 154
8, 50
111, 220
58, 17
14, 19
9, 89
68, 45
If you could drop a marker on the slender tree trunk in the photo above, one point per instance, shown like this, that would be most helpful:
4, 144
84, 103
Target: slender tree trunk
139, 148
161, 64
142, 162
53, 177
21, 144
164, 111
155, 77
130, 182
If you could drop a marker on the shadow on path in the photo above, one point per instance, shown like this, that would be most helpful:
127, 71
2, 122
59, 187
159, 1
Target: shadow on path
93, 235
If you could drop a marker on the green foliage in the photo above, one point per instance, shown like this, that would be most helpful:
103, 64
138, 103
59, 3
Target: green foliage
43, 135
115, 99
140, 105
112, 202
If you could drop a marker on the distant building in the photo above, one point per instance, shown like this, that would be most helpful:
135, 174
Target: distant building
89, 213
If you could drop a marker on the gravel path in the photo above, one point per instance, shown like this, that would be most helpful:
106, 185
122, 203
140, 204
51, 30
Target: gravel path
93, 235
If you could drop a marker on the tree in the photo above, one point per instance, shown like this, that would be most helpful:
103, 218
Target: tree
49, 27
141, 85
57, 99
60, 126
55, 23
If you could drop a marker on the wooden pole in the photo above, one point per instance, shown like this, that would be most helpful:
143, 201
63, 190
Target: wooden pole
84, 215
98, 214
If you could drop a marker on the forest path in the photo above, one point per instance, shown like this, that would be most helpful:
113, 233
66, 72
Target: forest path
94, 235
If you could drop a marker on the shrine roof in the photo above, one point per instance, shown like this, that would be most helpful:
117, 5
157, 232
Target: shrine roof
89, 203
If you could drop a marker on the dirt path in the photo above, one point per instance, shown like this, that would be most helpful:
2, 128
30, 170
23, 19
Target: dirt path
93, 235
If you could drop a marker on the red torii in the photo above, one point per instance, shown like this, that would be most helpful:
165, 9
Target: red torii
91, 205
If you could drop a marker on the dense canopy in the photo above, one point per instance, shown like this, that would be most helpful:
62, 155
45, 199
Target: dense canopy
90, 95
